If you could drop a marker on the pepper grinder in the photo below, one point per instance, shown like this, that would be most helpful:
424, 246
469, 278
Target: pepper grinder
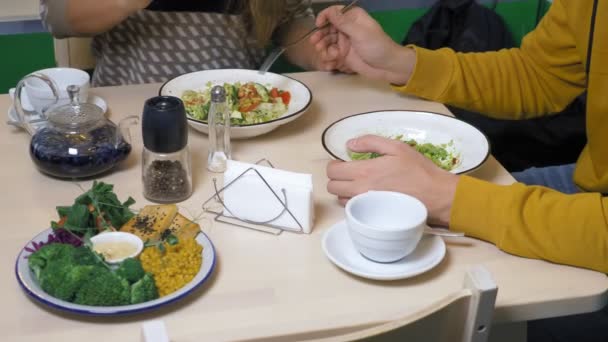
166, 170
219, 131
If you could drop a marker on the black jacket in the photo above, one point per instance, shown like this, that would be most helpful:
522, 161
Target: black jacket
466, 26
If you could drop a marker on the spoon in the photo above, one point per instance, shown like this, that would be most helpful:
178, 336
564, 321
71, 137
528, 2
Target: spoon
442, 232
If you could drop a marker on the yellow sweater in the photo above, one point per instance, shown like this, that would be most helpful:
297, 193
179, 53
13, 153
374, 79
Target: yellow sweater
541, 77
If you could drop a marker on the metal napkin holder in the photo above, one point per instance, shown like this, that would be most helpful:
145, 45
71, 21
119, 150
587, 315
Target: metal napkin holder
211, 206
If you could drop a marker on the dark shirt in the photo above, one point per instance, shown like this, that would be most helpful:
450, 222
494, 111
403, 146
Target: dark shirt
213, 6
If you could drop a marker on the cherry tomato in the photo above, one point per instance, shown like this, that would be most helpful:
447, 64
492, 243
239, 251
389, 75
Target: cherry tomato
274, 92
286, 97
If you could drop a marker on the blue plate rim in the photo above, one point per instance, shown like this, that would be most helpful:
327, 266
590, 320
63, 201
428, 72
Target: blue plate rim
118, 312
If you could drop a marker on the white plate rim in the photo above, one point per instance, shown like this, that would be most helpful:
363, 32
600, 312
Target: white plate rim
303, 109
376, 276
204, 274
472, 168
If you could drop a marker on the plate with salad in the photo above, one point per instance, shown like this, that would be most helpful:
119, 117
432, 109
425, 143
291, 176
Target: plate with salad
70, 268
258, 103
450, 143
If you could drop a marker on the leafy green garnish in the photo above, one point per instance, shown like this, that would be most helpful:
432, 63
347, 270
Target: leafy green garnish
166, 236
438, 154
363, 155
96, 209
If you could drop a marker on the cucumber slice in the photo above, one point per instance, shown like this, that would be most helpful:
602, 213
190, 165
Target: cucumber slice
262, 91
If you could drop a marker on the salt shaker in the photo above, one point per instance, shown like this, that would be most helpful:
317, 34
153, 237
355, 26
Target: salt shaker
166, 171
219, 131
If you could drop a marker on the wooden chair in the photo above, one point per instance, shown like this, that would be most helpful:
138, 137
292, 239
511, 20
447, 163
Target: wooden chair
464, 316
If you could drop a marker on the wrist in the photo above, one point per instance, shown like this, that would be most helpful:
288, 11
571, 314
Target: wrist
400, 65
445, 200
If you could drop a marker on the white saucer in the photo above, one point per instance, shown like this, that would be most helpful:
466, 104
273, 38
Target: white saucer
341, 251
13, 119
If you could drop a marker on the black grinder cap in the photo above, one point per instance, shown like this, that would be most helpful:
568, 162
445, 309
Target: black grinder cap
164, 124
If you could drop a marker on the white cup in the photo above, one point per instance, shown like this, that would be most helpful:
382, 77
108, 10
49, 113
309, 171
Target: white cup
37, 96
385, 226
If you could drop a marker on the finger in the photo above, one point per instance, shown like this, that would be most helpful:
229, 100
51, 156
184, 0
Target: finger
329, 66
378, 144
327, 41
315, 37
346, 70
319, 35
343, 171
344, 22
324, 16
344, 189
333, 52
324, 42
343, 200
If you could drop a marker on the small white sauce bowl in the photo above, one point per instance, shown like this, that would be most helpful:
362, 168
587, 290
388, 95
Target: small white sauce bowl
115, 237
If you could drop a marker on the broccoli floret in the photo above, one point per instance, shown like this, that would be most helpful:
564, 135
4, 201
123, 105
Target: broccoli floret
73, 280
144, 290
130, 270
50, 264
58, 268
37, 263
51, 252
104, 288
85, 256
52, 277
77, 275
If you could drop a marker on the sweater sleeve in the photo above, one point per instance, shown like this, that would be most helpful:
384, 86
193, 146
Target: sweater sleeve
535, 222
541, 77
53, 14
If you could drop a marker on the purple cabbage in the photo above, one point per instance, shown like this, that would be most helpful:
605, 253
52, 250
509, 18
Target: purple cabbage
58, 235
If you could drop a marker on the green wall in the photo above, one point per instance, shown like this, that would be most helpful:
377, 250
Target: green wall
22, 54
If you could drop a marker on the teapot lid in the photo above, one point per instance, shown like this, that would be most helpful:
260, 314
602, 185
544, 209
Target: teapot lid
75, 113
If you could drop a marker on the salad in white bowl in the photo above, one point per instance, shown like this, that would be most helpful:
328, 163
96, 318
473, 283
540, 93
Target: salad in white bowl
259, 103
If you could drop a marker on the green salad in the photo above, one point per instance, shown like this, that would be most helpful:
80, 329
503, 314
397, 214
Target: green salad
441, 154
249, 103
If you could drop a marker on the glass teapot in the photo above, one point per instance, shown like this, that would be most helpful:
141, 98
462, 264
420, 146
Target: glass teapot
77, 140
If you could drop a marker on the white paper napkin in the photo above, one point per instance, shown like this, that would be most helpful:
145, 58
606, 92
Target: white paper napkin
249, 198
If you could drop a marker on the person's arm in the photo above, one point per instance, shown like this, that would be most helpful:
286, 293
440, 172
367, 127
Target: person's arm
535, 222
65, 18
541, 77
300, 20
529, 221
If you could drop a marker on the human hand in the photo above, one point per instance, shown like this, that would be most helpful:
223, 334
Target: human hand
401, 169
132, 6
354, 42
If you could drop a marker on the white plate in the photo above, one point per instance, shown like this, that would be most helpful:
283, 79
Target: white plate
27, 281
13, 118
469, 143
340, 250
301, 97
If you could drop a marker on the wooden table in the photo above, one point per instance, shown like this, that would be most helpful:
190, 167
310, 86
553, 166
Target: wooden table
269, 286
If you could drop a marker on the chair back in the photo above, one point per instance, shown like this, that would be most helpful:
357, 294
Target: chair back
464, 316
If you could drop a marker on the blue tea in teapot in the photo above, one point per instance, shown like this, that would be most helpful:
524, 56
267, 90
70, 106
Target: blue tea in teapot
78, 141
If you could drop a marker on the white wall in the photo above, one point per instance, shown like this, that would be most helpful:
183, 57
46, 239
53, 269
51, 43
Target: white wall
11, 10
